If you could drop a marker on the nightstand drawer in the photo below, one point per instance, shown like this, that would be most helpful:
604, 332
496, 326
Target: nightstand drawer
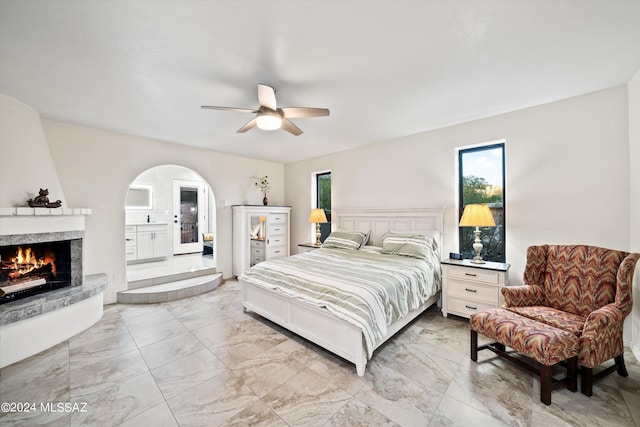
476, 291
465, 307
475, 274
468, 288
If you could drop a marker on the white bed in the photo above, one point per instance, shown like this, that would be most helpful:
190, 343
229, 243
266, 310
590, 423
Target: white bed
318, 324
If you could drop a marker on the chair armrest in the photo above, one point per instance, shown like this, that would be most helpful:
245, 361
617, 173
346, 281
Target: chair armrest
624, 279
522, 296
601, 337
602, 318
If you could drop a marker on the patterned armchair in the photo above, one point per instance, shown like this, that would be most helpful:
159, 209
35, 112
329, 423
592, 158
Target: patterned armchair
584, 290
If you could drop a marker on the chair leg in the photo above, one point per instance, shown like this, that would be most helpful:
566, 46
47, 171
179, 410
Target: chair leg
474, 345
586, 385
545, 384
572, 374
622, 369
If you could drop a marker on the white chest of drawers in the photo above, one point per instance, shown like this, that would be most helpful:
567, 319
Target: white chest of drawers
468, 288
272, 240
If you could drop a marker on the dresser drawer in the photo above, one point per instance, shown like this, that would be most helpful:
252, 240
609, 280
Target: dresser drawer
475, 274
257, 244
276, 229
276, 251
466, 307
280, 219
256, 259
279, 240
473, 290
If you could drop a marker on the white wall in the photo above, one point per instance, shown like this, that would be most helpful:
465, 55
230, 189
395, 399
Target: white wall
634, 156
567, 174
95, 168
25, 158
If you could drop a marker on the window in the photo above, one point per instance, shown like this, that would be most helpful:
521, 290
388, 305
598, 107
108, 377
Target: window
481, 179
323, 201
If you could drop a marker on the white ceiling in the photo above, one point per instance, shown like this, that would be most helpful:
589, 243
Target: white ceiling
385, 69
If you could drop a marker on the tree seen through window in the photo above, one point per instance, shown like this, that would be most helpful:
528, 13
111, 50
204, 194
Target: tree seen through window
482, 180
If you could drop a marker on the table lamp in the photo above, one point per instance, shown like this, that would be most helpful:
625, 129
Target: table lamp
317, 216
477, 216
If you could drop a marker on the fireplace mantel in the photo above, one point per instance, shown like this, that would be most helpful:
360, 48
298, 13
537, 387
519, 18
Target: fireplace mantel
19, 220
26, 211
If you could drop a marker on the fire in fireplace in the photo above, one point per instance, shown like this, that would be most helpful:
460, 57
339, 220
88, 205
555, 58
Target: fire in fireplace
34, 268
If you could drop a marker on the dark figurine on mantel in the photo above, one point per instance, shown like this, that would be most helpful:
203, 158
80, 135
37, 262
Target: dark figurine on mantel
42, 200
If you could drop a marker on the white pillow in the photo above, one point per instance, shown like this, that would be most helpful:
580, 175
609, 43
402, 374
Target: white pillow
407, 244
434, 235
366, 234
345, 240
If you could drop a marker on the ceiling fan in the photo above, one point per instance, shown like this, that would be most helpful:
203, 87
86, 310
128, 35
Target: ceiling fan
269, 116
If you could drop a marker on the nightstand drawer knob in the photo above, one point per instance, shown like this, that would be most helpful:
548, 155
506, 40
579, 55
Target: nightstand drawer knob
471, 308
471, 290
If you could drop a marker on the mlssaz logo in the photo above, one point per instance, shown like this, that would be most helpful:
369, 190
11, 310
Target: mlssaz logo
63, 407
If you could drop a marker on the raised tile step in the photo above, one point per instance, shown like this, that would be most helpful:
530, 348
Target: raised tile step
169, 277
171, 291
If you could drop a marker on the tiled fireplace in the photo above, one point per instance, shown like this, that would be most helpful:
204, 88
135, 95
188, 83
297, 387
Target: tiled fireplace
32, 264
41, 249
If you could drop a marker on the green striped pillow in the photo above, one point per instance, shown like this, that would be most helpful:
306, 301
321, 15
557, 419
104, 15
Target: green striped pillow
410, 245
345, 240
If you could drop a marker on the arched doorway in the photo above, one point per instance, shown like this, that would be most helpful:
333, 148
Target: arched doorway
169, 226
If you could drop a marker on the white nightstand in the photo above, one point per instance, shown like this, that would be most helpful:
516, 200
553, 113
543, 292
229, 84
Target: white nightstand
306, 247
468, 288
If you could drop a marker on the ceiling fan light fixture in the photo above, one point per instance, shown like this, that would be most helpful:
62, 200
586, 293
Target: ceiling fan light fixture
268, 120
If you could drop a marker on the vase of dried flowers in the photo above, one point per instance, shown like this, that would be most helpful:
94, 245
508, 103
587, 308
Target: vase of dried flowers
263, 185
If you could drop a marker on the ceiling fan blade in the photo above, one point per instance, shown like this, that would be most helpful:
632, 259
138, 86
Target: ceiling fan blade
248, 126
238, 110
294, 112
290, 127
267, 96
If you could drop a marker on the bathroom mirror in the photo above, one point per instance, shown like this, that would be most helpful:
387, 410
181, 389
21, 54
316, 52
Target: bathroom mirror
139, 197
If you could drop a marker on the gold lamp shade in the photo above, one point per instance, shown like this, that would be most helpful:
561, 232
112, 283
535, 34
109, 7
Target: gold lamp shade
317, 216
477, 216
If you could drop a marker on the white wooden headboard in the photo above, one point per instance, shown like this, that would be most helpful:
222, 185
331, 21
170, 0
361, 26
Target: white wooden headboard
381, 221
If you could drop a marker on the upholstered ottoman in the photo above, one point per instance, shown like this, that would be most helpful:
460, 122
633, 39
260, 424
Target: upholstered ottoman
543, 343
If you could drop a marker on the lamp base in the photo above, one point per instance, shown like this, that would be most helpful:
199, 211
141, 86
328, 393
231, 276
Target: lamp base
477, 246
318, 234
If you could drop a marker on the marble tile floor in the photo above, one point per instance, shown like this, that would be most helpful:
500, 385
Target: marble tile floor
202, 361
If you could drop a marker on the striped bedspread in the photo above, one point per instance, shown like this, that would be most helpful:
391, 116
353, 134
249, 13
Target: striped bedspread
364, 287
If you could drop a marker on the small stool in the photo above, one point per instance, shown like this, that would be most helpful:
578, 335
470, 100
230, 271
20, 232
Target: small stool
543, 343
